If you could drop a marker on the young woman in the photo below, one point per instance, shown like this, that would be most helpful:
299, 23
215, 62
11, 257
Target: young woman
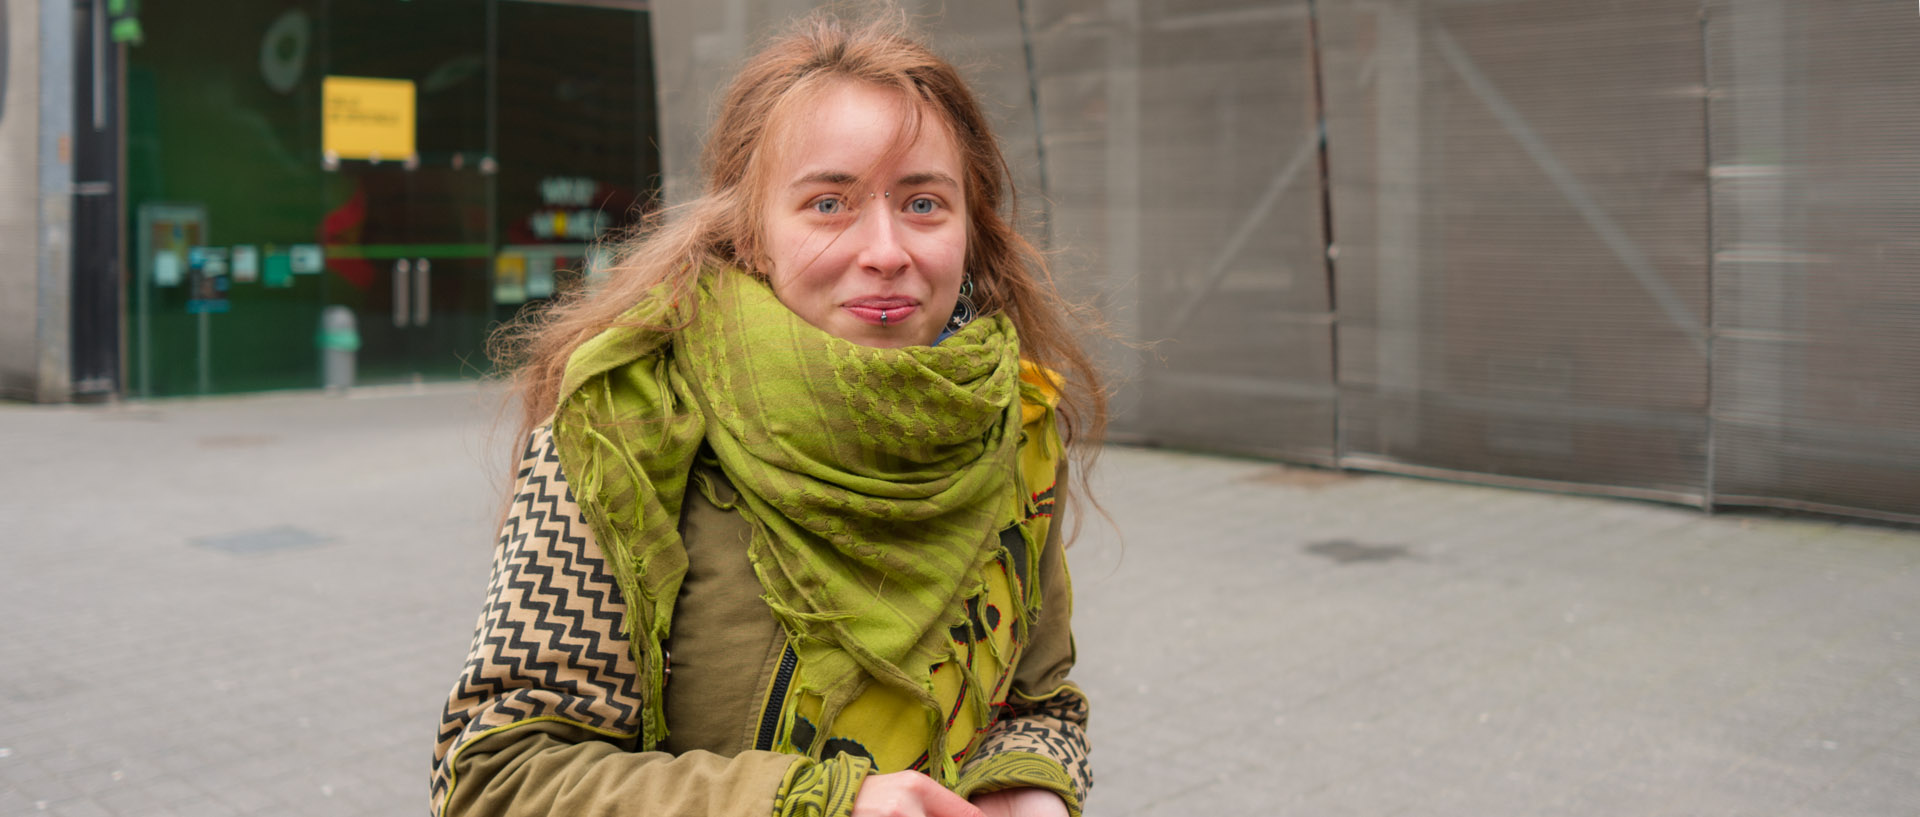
785, 533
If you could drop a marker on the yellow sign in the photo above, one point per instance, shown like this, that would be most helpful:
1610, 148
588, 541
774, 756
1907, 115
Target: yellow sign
365, 118
510, 278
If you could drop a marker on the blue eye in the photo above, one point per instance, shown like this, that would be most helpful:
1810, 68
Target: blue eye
830, 206
921, 206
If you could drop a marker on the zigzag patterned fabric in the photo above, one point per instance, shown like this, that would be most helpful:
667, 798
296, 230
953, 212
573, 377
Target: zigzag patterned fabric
548, 643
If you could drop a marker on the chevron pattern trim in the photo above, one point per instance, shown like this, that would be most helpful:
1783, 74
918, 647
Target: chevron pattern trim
1055, 728
549, 642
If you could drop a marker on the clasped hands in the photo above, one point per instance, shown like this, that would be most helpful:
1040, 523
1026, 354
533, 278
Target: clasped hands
912, 794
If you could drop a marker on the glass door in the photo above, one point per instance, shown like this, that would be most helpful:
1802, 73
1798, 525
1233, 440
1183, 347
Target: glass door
406, 142
431, 166
575, 138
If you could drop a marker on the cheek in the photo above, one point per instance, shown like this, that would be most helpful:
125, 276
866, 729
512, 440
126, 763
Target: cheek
944, 253
805, 265
806, 259
787, 253
956, 261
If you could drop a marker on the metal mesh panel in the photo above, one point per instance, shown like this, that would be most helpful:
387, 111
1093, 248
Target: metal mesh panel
1183, 164
1816, 202
1600, 245
1519, 210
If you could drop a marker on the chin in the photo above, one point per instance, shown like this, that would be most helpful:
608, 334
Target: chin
888, 338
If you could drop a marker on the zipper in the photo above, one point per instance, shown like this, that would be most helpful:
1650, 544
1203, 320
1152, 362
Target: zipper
777, 699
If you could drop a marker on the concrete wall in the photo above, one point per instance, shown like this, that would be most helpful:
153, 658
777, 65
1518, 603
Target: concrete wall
19, 194
35, 198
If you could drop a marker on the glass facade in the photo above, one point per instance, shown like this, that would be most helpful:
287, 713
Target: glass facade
515, 134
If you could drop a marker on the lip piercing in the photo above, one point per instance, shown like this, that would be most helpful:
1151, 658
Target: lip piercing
883, 317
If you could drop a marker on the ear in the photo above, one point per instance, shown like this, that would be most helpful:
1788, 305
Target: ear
746, 246
747, 254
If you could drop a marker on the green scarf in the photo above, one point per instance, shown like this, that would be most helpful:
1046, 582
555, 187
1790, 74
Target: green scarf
875, 480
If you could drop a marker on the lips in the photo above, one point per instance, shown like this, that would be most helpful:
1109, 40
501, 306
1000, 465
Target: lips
870, 309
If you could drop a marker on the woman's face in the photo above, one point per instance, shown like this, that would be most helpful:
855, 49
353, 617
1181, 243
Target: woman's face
879, 268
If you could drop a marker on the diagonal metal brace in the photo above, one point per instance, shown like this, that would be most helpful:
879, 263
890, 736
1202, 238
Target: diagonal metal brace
1216, 271
1570, 187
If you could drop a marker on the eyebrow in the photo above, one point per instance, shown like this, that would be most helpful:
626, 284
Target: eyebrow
825, 177
923, 179
841, 177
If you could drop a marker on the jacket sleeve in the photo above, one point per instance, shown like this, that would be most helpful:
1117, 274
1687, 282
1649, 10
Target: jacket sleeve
545, 716
1041, 740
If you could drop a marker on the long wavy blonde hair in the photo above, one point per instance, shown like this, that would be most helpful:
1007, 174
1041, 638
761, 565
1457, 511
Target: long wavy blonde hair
722, 226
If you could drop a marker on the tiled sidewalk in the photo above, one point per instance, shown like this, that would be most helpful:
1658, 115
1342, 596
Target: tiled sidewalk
255, 605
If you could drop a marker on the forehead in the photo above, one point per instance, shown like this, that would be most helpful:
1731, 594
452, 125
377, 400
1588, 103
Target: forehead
859, 129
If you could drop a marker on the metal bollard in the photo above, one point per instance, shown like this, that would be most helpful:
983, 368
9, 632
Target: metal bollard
339, 340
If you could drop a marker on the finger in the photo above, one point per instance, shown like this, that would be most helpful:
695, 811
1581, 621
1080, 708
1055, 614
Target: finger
942, 803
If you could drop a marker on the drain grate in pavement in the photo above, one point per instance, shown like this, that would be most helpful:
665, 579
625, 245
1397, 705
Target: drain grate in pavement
1347, 551
263, 540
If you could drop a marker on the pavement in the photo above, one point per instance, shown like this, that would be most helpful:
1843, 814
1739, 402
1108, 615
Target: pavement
255, 606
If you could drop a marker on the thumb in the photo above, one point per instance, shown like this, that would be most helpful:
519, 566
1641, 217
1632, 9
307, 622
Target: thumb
944, 803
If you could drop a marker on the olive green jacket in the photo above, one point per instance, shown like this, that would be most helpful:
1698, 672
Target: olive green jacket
545, 716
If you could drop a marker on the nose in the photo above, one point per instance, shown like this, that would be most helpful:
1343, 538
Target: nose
881, 252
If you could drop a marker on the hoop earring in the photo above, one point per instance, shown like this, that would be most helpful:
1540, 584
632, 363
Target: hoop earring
963, 309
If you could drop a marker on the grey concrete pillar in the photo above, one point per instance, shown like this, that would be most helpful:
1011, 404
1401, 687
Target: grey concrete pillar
36, 194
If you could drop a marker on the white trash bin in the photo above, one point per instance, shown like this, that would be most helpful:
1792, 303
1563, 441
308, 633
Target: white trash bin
339, 343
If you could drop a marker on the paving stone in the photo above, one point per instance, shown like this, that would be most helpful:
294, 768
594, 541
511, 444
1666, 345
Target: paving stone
79, 808
1260, 640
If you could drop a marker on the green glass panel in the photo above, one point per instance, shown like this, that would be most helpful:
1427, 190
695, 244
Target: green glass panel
527, 116
223, 119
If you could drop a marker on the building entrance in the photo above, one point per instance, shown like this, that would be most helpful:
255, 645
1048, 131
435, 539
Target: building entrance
433, 166
407, 239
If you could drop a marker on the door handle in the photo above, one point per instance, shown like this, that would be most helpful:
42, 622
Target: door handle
401, 290
422, 292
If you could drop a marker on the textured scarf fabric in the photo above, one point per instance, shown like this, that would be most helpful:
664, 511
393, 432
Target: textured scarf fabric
875, 480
